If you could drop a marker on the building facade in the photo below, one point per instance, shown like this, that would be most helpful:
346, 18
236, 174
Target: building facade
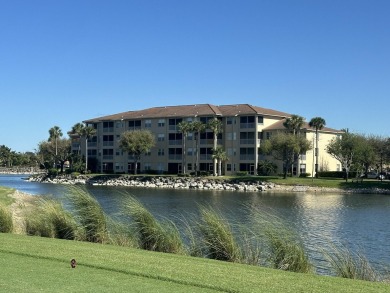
244, 127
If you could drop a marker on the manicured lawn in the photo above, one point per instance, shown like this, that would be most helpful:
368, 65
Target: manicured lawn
34, 264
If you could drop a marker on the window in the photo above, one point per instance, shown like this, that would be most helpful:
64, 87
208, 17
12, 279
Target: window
230, 120
161, 137
228, 167
148, 153
148, 123
135, 124
189, 167
231, 136
147, 166
161, 122
190, 151
231, 152
268, 135
160, 152
260, 120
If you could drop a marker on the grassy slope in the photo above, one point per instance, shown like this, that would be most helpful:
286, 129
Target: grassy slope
39, 264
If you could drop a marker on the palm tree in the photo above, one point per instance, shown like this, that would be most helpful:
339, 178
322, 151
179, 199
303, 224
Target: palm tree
318, 123
88, 132
197, 127
294, 125
216, 126
219, 155
184, 127
77, 130
54, 134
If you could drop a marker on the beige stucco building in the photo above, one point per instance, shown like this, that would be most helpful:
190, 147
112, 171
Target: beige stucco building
244, 128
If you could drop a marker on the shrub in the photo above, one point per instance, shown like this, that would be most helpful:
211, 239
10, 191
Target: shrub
305, 175
52, 172
242, 173
6, 223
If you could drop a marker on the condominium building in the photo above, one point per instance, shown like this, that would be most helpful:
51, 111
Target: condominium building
244, 127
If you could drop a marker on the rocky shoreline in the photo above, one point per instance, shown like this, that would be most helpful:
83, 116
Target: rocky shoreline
198, 183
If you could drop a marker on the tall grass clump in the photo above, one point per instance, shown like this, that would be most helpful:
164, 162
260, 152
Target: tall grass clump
217, 236
89, 215
352, 265
6, 223
285, 250
152, 234
50, 219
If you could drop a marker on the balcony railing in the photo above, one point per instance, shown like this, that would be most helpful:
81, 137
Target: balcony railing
205, 157
206, 141
247, 141
108, 129
247, 125
108, 143
247, 157
108, 157
92, 144
175, 157
175, 142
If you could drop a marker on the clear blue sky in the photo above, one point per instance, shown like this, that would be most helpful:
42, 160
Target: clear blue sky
65, 61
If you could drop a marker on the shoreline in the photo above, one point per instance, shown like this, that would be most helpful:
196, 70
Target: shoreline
196, 183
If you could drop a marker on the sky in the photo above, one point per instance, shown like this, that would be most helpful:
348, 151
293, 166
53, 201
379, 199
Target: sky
65, 61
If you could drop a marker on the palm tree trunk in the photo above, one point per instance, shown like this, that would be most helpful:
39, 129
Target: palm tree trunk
86, 155
316, 154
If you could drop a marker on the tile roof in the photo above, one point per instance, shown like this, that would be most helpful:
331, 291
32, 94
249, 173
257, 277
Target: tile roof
191, 111
279, 126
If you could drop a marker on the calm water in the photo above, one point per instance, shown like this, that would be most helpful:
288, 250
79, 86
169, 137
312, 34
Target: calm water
357, 220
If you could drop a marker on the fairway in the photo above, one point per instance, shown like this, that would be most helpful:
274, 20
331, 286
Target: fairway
34, 264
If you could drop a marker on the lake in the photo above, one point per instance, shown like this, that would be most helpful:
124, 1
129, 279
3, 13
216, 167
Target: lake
360, 221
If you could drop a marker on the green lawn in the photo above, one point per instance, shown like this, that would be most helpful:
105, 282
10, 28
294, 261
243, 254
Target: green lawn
34, 264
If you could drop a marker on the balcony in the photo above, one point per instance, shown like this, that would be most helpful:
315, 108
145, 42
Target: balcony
247, 125
108, 157
175, 142
247, 141
108, 129
206, 141
92, 144
108, 143
247, 157
175, 157
205, 157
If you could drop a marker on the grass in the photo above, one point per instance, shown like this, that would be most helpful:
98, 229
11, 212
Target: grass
152, 234
6, 223
5, 198
45, 264
217, 236
352, 265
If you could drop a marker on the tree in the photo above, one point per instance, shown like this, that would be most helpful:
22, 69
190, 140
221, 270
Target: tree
47, 152
137, 143
344, 148
283, 146
54, 134
219, 155
216, 126
77, 130
294, 125
83, 130
197, 127
87, 132
184, 127
317, 123
5, 156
